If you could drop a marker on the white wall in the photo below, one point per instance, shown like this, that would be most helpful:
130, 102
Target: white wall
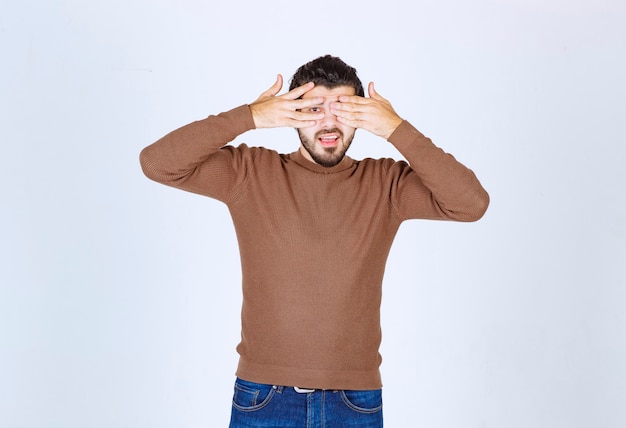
119, 298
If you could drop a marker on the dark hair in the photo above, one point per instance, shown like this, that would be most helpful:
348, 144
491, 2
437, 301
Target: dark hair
327, 71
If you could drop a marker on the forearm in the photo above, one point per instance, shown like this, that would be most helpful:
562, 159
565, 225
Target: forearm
177, 154
456, 191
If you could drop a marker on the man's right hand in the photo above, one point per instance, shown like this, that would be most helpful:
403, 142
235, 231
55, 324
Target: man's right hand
271, 111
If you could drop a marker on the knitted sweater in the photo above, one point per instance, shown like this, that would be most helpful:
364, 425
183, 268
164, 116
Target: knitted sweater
313, 240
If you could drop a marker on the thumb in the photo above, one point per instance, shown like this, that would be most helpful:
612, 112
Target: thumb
371, 91
273, 90
276, 87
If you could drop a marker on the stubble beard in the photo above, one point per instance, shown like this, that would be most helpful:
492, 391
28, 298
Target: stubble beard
330, 156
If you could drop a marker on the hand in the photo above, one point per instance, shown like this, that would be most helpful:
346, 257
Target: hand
374, 114
271, 111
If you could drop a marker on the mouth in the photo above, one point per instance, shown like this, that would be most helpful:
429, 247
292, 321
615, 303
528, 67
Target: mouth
328, 139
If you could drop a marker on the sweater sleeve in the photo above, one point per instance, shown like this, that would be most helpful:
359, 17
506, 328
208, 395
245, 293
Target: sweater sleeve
194, 158
436, 185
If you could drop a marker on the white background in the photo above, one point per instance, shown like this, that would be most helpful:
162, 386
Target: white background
120, 298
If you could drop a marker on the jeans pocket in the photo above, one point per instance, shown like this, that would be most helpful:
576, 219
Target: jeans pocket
363, 401
250, 396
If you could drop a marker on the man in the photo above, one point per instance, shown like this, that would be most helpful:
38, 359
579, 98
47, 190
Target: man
314, 229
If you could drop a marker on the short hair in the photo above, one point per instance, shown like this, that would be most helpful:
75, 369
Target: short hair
327, 71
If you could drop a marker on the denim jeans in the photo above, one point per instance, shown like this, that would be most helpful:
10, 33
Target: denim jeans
259, 405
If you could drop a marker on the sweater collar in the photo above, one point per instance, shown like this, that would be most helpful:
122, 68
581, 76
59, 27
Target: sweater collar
299, 158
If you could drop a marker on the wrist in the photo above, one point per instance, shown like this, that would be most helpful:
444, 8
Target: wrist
392, 128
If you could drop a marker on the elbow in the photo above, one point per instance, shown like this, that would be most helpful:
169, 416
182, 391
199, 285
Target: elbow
148, 166
472, 210
156, 168
479, 207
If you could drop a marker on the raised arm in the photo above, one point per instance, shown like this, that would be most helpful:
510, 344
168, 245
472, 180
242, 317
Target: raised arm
455, 192
190, 157
174, 158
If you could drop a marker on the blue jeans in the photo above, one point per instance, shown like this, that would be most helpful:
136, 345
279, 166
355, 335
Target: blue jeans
259, 405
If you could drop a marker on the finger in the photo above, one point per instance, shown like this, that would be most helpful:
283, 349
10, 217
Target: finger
349, 115
355, 106
275, 88
299, 119
352, 123
352, 99
303, 103
373, 93
345, 106
296, 93
306, 115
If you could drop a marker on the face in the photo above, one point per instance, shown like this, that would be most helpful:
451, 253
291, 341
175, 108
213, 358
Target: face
326, 143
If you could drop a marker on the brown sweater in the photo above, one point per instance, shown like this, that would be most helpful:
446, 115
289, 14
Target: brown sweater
313, 240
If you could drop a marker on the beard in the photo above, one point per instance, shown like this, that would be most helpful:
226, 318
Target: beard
326, 156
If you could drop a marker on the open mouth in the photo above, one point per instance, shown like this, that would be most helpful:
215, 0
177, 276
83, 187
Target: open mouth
328, 140
329, 137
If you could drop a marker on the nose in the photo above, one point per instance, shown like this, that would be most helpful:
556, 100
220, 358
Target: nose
330, 120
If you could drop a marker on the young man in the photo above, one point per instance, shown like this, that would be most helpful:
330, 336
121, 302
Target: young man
314, 229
